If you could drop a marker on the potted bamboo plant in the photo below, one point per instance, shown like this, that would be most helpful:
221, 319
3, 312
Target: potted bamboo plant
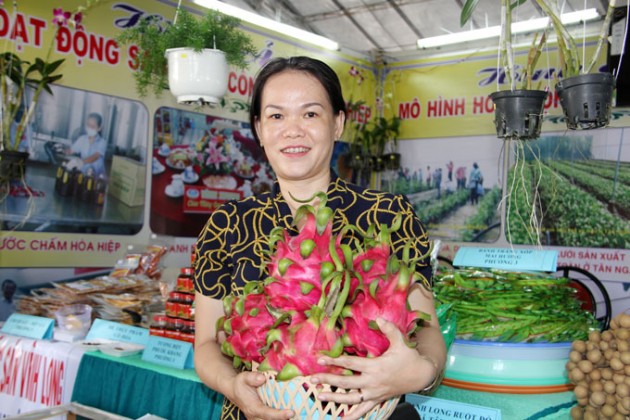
189, 56
353, 134
518, 112
585, 97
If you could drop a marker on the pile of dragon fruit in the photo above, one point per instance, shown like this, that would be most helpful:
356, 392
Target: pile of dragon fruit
322, 297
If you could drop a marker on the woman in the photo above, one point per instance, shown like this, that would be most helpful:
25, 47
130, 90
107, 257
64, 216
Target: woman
91, 146
297, 113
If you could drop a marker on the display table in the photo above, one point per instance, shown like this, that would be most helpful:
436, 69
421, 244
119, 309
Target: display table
131, 387
554, 406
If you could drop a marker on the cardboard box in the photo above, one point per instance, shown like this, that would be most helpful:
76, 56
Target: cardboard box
127, 181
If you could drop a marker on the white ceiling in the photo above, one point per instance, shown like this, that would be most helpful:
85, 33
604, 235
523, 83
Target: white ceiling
391, 26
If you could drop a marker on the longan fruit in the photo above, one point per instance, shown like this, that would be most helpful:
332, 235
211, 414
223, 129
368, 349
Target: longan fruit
591, 346
622, 334
611, 400
583, 402
621, 409
594, 336
580, 392
595, 375
607, 373
596, 386
604, 345
610, 387
616, 364
570, 366
594, 356
614, 323
608, 410
598, 398
622, 390
625, 357
623, 345
576, 375
618, 416
625, 402
589, 415
575, 356
579, 346
577, 412
607, 335
624, 320
585, 366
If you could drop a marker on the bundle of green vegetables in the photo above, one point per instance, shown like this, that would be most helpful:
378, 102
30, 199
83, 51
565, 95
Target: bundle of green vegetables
496, 305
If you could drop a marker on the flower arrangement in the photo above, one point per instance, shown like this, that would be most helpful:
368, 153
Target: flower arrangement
322, 297
211, 155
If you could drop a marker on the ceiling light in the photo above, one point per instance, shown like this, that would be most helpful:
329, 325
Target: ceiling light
495, 31
264, 22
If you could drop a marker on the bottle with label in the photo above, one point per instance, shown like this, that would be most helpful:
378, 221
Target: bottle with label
61, 169
99, 190
77, 186
87, 192
67, 179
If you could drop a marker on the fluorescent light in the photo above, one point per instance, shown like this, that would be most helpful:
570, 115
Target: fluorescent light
495, 31
264, 22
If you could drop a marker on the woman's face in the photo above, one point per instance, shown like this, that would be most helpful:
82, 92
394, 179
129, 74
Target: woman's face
297, 127
91, 125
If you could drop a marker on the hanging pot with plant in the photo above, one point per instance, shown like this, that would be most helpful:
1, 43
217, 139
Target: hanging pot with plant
392, 161
518, 113
190, 57
586, 98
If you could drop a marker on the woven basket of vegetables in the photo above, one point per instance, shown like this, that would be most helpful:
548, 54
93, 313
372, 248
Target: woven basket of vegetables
322, 296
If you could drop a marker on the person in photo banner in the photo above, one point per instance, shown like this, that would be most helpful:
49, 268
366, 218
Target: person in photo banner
91, 147
297, 112
7, 304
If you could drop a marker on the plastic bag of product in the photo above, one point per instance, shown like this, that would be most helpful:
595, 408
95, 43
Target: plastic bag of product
447, 319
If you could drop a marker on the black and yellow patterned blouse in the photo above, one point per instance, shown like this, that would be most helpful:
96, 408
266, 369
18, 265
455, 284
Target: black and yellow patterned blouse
230, 248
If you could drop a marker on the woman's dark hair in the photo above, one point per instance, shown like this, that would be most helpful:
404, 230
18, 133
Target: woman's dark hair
96, 117
316, 68
475, 165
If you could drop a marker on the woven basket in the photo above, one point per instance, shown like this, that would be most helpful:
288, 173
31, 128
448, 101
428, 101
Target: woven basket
300, 395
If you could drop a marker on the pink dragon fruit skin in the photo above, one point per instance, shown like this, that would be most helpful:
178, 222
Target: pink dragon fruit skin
248, 331
388, 302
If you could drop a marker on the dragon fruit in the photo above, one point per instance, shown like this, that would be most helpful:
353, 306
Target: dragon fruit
386, 300
322, 296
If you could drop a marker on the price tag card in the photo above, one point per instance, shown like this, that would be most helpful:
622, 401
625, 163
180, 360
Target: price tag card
168, 352
118, 332
29, 326
437, 409
507, 259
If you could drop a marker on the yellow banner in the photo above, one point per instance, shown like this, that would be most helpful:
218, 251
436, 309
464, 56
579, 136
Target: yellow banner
448, 97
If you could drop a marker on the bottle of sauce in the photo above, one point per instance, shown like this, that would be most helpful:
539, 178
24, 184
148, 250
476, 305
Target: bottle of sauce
99, 190
87, 193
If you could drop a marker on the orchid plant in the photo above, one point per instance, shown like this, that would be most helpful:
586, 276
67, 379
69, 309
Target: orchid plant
18, 76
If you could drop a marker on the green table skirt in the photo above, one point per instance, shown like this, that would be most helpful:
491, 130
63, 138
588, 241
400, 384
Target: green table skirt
130, 387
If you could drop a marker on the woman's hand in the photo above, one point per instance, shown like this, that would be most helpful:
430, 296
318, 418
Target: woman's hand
397, 371
245, 397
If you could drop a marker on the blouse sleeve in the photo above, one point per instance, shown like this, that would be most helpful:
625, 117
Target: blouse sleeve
412, 231
213, 263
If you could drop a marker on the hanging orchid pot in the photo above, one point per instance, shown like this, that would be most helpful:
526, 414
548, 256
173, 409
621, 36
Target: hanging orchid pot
377, 163
392, 161
518, 114
197, 77
586, 100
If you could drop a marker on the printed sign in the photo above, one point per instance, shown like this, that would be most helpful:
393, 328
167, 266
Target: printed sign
206, 200
29, 326
118, 332
438, 409
170, 353
507, 259
36, 374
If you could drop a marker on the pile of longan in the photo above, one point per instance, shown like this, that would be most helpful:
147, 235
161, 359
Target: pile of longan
600, 370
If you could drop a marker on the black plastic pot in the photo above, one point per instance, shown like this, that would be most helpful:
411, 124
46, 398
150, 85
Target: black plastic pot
518, 114
13, 165
355, 160
586, 100
392, 161
377, 163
